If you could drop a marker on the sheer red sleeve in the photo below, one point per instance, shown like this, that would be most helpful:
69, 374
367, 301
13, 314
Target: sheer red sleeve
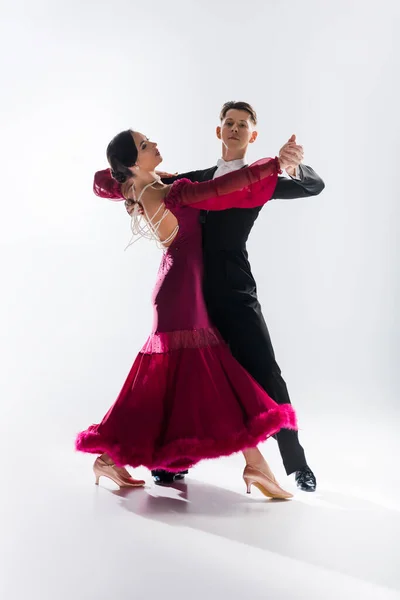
245, 188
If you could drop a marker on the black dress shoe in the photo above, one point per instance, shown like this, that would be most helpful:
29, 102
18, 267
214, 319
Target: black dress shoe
181, 475
161, 477
305, 480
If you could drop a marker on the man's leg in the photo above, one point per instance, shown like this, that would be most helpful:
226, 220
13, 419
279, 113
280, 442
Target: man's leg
246, 332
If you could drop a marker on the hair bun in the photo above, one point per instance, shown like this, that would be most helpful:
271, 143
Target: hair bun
118, 176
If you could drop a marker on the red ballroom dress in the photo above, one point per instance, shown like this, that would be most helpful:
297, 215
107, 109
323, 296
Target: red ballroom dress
186, 398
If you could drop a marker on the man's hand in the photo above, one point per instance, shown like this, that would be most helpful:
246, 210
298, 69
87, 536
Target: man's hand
130, 206
128, 192
291, 155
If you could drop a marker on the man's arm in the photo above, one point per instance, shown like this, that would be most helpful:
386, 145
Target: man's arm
307, 184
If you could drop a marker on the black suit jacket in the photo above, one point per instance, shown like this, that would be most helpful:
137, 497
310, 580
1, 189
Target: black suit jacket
227, 271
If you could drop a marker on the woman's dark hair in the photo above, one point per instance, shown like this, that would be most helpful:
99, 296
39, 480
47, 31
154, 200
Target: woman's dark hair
122, 154
239, 106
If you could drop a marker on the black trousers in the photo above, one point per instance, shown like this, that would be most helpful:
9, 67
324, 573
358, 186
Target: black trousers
243, 327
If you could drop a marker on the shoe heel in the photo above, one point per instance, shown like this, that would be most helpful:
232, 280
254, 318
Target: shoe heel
96, 475
248, 485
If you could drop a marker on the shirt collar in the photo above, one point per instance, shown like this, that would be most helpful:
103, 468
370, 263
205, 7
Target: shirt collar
231, 164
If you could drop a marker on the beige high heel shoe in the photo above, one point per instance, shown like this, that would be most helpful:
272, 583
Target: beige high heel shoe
103, 469
268, 486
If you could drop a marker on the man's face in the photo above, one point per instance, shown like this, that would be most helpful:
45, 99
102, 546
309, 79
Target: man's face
237, 130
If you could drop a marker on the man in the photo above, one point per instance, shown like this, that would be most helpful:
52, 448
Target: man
229, 287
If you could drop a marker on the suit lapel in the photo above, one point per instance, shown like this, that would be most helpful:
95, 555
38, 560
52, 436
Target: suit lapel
209, 173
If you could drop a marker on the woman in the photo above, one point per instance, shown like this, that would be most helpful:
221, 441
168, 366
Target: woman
186, 398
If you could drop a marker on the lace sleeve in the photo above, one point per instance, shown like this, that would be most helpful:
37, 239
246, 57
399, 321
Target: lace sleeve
245, 188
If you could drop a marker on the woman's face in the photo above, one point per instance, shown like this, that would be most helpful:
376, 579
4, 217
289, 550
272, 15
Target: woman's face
148, 155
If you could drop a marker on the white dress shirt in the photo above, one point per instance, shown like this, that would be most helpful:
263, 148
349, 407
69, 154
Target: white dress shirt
224, 166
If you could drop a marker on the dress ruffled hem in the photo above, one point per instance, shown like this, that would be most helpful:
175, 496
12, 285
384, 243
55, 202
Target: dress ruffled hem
183, 454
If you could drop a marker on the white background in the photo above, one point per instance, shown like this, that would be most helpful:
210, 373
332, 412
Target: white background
75, 308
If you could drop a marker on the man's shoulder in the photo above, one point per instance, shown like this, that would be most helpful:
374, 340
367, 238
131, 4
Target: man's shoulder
199, 175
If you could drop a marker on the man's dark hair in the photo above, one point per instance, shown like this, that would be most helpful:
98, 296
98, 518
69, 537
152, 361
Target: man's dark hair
239, 106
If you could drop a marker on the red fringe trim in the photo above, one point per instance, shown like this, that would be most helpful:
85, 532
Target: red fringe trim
184, 453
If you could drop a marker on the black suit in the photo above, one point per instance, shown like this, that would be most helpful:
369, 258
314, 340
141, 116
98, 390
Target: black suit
231, 294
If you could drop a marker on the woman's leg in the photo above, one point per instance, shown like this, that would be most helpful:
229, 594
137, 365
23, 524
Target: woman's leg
254, 458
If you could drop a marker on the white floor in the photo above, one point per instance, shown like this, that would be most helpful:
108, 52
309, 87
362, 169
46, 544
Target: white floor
62, 537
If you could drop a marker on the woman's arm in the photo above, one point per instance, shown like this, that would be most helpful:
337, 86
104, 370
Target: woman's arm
245, 188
